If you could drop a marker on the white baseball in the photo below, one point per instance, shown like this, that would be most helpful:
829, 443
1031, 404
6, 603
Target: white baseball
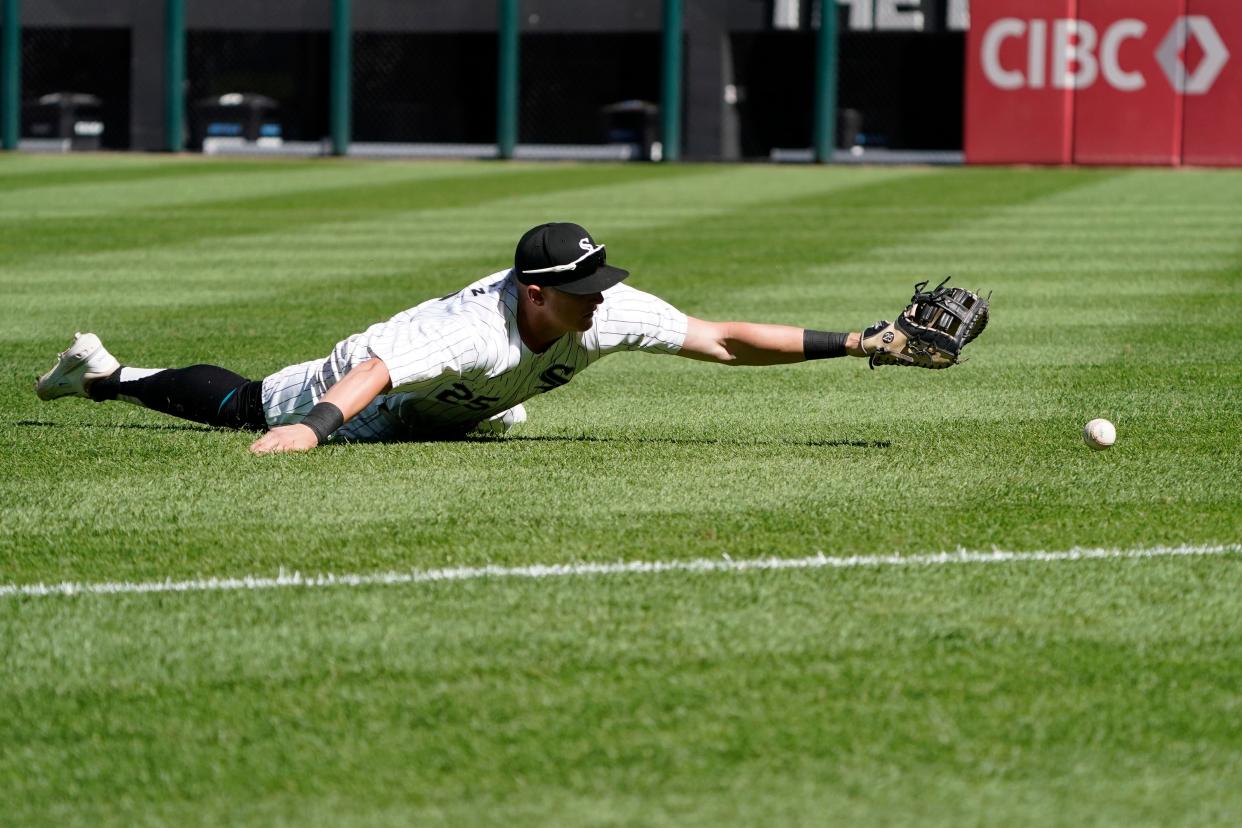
1099, 434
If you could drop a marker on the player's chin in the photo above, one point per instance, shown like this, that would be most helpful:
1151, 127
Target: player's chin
585, 323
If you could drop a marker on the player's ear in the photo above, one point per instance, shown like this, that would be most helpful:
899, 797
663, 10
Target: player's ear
535, 294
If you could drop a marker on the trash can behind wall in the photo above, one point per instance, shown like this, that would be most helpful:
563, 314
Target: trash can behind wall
234, 118
634, 122
64, 120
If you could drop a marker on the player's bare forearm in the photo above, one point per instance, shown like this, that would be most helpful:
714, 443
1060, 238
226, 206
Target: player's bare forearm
359, 387
750, 343
354, 392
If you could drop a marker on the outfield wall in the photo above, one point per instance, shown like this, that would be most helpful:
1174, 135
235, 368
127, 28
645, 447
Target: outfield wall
425, 71
1154, 82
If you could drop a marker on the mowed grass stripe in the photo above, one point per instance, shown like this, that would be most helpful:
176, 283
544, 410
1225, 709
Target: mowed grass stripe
795, 235
12, 180
383, 261
1053, 261
1077, 694
272, 211
20, 163
855, 205
442, 232
200, 185
839, 198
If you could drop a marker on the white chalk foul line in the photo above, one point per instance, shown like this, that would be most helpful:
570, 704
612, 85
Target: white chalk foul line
416, 576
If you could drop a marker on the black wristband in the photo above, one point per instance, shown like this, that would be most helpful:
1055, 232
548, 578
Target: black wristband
823, 344
324, 419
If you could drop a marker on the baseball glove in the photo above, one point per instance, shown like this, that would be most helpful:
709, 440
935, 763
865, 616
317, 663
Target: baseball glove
931, 332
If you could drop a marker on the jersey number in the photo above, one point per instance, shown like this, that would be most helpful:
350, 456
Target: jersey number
461, 395
555, 377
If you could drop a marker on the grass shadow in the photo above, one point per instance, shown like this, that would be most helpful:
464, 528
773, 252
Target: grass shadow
109, 427
678, 441
485, 438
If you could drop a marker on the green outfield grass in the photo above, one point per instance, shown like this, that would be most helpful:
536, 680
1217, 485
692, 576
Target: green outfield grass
1029, 693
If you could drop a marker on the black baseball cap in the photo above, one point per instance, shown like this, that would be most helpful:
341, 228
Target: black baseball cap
564, 256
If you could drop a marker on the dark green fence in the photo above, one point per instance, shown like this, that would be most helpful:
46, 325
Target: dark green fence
343, 88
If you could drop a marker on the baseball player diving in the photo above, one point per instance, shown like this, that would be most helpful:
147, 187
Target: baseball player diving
465, 363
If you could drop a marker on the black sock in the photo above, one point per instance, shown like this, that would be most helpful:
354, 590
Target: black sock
202, 393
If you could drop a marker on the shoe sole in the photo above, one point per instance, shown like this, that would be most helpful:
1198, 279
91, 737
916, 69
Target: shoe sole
53, 385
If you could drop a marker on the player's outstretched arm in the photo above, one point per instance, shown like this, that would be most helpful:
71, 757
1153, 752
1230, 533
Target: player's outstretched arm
750, 343
353, 393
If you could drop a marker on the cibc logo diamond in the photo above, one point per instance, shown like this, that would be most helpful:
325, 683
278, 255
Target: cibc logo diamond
1072, 54
1215, 55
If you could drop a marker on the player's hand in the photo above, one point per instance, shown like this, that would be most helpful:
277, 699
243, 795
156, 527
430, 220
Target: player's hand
285, 438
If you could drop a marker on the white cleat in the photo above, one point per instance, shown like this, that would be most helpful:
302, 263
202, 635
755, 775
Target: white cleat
85, 360
503, 422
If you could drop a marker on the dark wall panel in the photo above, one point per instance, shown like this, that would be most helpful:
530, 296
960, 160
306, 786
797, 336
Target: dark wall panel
907, 86
94, 61
425, 87
906, 89
291, 67
567, 78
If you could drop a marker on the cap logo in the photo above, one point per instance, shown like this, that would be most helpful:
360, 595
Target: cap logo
585, 244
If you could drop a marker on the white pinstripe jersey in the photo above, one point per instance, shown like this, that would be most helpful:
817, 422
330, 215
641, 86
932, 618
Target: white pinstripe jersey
459, 360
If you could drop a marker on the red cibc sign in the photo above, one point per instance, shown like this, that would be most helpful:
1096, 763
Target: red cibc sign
1212, 127
1104, 82
1017, 110
1125, 110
